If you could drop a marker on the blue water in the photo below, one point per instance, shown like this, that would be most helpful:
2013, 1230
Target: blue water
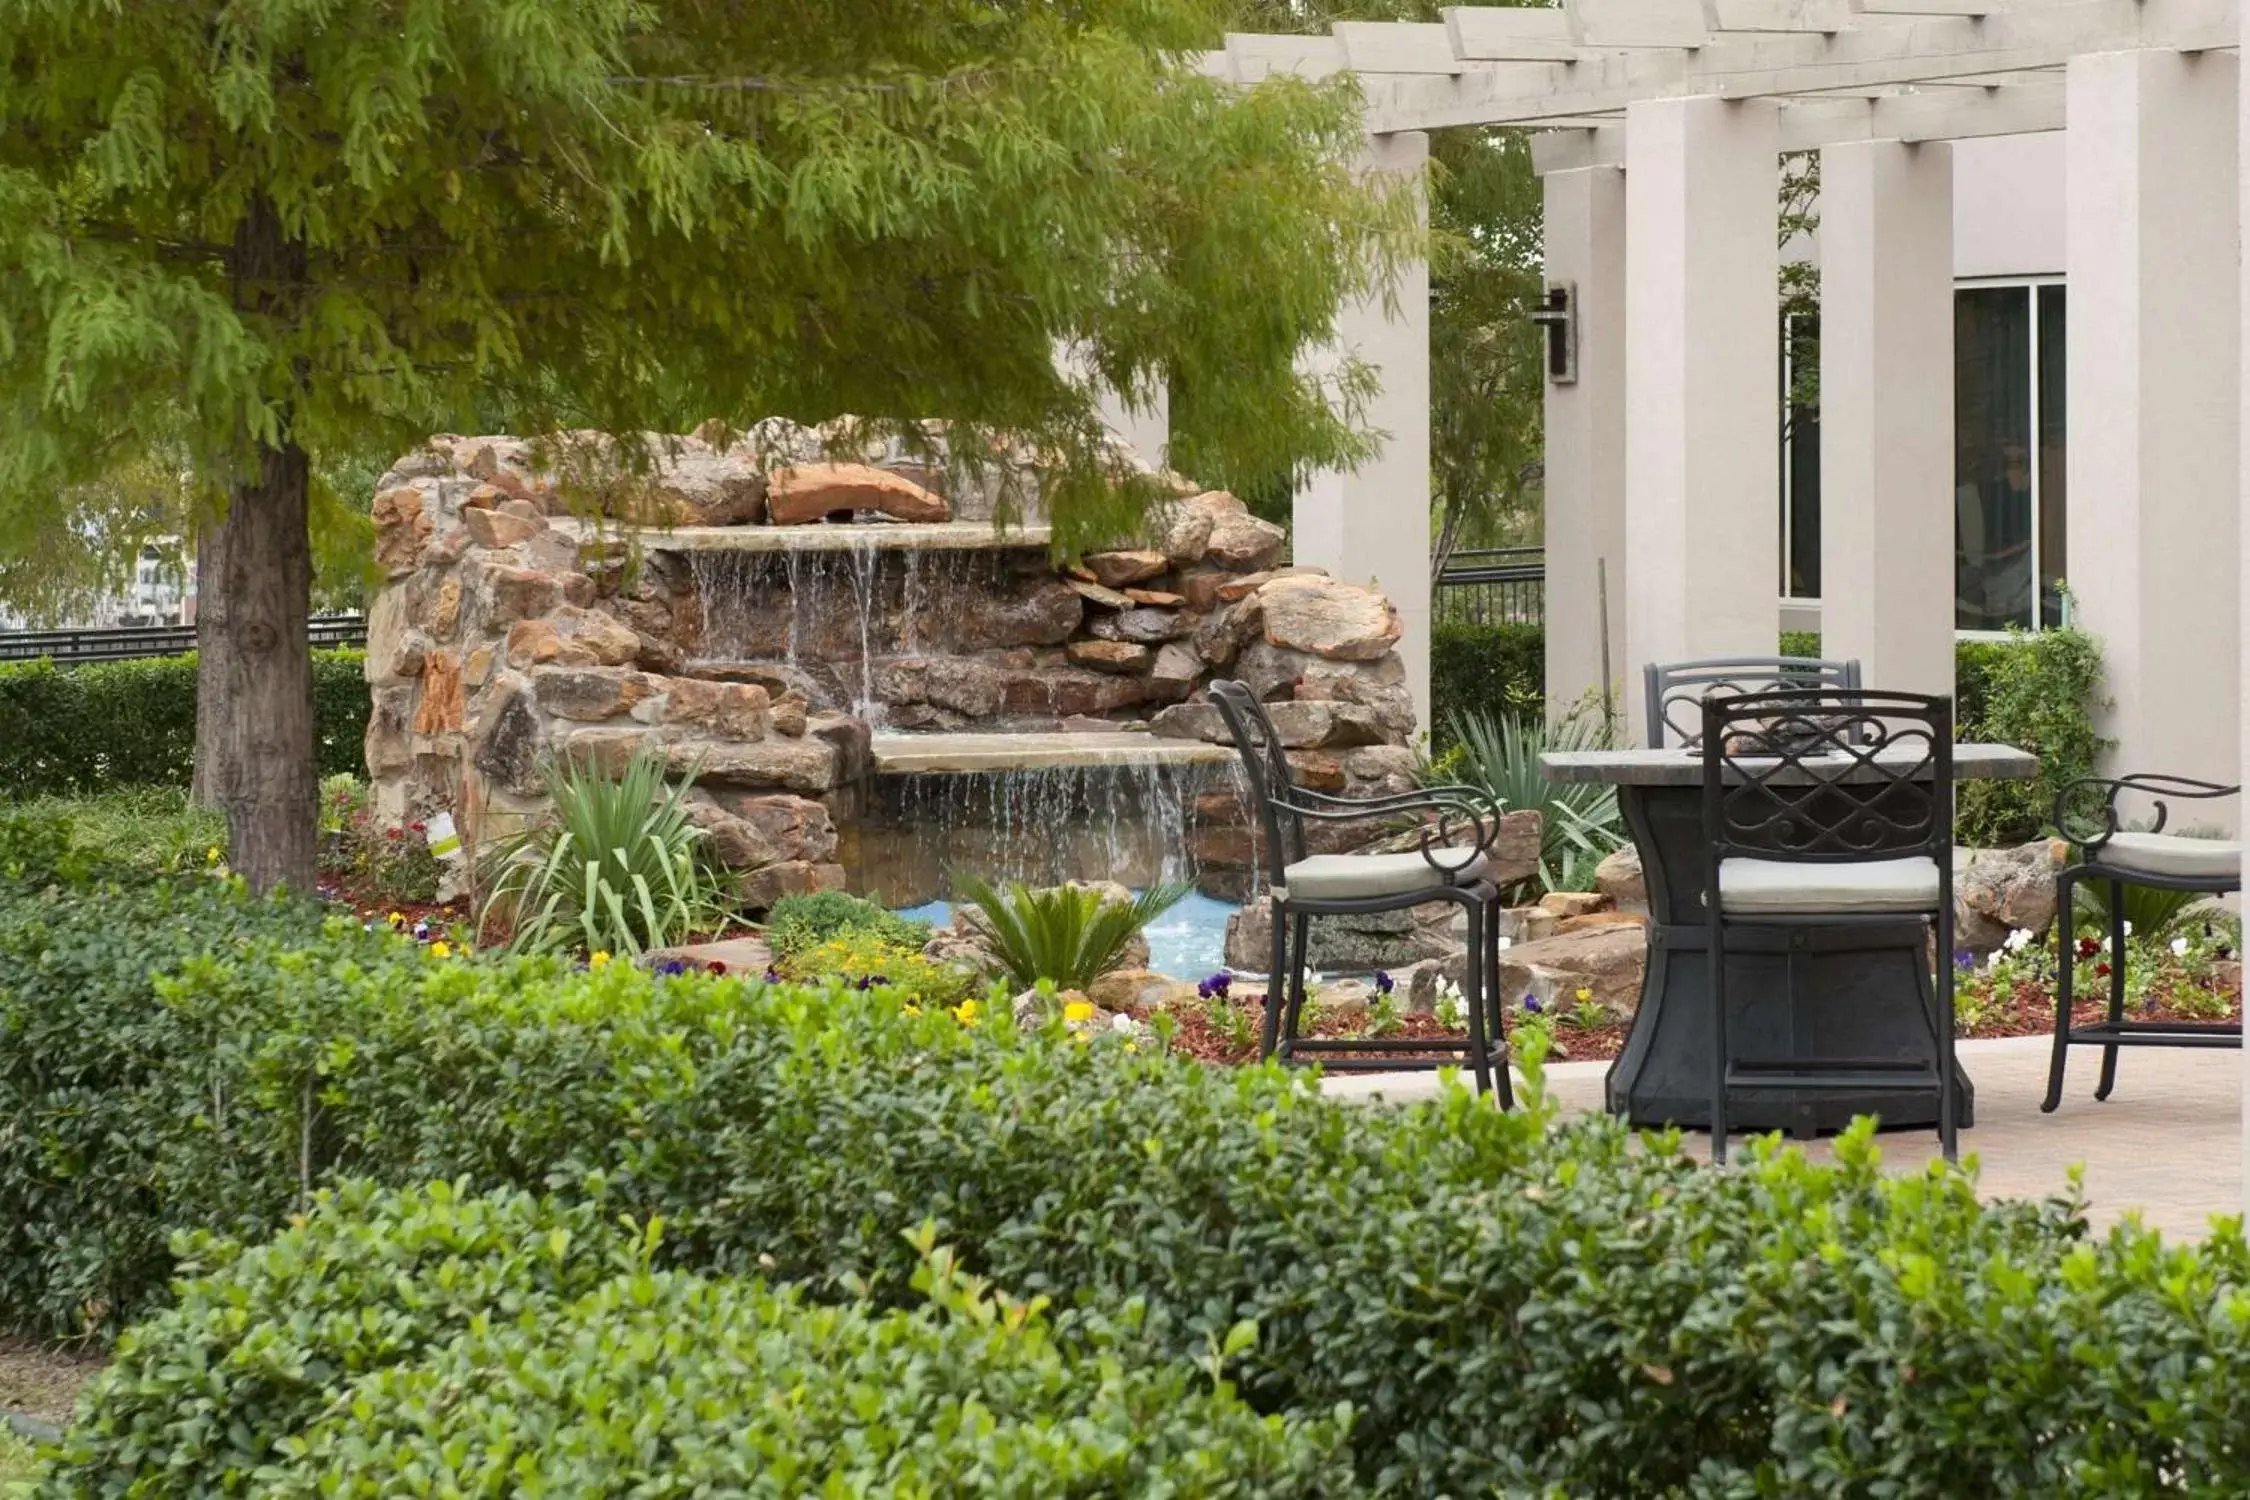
1188, 942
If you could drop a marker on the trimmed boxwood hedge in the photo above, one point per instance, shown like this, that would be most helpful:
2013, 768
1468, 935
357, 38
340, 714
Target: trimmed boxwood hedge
1507, 1305
74, 730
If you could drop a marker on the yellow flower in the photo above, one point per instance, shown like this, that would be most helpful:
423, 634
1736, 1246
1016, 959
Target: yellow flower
396, 919
211, 855
913, 1010
1078, 1010
597, 958
966, 1012
441, 949
1584, 994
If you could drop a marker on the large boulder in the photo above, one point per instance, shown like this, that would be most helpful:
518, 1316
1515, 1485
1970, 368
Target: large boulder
1327, 618
1997, 891
1607, 960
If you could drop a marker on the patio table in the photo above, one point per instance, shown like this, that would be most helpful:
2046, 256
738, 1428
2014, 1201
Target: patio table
1799, 992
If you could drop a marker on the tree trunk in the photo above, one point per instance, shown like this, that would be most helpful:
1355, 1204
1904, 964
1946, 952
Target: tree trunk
204, 791
254, 693
255, 676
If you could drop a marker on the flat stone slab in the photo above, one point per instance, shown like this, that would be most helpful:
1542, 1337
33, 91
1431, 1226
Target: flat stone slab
742, 955
937, 754
1677, 767
879, 536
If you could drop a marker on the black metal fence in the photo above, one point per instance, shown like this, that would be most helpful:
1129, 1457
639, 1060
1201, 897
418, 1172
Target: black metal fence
1495, 586
76, 648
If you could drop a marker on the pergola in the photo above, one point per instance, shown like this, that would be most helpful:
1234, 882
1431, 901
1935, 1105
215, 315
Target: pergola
1661, 124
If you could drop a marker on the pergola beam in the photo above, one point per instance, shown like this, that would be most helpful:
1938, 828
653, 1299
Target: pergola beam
1909, 52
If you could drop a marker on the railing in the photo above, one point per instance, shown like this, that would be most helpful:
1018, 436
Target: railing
76, 648
1496, 586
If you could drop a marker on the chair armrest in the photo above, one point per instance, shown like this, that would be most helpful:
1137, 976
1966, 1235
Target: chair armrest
2106, 825
1460, 810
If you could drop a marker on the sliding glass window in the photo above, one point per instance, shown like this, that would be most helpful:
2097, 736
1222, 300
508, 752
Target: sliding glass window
2008, 433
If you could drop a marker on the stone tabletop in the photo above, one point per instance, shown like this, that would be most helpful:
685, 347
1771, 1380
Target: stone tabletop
1678, 767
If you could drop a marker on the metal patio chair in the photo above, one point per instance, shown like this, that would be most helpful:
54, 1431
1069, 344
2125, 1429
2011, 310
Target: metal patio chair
2120, 856
1675, 688
1827, 807
1452, 864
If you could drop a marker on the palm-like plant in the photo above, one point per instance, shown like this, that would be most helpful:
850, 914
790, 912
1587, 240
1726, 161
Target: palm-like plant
618, 868
1499, 755
1071, 934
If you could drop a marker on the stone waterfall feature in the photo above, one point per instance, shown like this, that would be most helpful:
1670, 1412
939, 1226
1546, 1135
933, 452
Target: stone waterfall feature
828, 669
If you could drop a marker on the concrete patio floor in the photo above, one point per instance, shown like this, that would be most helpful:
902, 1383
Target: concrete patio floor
2167, 1145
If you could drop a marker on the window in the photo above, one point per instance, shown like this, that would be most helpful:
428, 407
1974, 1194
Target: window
2009, 431
2008, 445
1800, 457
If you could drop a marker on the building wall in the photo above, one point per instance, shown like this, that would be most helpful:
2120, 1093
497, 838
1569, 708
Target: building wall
2008, 206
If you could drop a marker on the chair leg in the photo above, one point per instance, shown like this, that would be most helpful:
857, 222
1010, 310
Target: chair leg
1300, 956
1277, 982
2066, 939
1480, 1052
1497, 1029
2116, 984
1949, 1093
1715, 956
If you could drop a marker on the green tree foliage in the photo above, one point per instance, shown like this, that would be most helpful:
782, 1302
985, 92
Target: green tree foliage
281, 236
1487, 382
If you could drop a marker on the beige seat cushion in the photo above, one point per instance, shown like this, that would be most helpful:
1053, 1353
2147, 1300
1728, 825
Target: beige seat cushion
1357, 877
1772, 885
2173, 854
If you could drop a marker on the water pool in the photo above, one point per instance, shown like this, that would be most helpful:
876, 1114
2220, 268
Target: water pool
1188, 942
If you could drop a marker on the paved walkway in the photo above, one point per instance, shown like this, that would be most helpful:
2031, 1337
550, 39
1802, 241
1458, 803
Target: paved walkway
2167, 1145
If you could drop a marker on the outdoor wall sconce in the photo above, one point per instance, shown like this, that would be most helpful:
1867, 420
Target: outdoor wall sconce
1557, 312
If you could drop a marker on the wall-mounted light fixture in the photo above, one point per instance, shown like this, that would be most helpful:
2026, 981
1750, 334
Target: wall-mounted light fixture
1557, 312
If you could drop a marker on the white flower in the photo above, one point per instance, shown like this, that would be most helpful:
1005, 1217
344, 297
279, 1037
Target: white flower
2128, 929
2019, 940
1992, 959
1121, 1023
2179, 947
1507, 942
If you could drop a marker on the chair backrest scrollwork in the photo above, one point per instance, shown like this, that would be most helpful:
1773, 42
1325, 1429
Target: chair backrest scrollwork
1676, 688
1824, 775
1266, 767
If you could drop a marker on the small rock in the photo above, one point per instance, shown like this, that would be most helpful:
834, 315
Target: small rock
803, 493
1609, 961
1322, 617
494, 528
1595, 919
1095, 593
1117, 569
1150, 627
1111, 656
1241, 540
1157, 597
1177, 667
1138, 989
1619, 877
1573, 903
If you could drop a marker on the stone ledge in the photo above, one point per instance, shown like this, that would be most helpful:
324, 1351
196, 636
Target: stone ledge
879, 536
925, 754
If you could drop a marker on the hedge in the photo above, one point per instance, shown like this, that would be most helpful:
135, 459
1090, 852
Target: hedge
529, 1346
1507, 1305
1487, 667
77, 730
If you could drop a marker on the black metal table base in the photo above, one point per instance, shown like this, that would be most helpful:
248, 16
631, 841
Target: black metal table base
1796, 995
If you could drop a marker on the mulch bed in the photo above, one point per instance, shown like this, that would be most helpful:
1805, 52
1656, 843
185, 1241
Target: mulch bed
41, 1381
2029, 1011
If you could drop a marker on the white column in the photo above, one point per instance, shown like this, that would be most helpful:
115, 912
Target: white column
1372, 525
2155, 398
1702, 380
1585, 447
1147, 428
2242, 507
1886, 412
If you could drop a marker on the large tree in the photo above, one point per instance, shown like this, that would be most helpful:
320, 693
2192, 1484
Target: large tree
257, 237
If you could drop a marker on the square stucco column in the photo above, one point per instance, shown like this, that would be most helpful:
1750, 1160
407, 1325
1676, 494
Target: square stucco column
1147, 429
2152, 217
1886, 408
1585, 450
1372, 525
1702, 382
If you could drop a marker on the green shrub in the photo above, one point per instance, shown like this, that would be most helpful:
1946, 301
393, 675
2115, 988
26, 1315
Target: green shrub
1509, 1306
486, 1376
137, 830
77, 730
2039, 692
617, 866
1580, 822
865, 961
1804, 643
810, 918
1487, 669
1070, 934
